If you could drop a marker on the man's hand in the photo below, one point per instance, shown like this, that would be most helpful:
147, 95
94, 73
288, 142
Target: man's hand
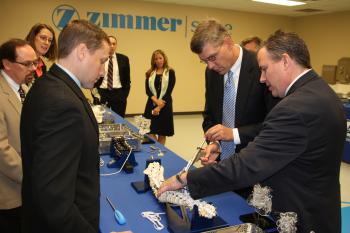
172, 184
211, 153
219, 132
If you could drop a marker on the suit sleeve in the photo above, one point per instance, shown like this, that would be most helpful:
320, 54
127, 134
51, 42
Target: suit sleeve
282, 139
124, 72
248, 132
127, 74
208, 113
148, 90
10, 160
55, 166
171, 85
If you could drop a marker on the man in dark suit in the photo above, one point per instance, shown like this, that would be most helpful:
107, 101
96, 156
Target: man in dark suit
59, 136
251, 99
115, 92
18, 62
299, 148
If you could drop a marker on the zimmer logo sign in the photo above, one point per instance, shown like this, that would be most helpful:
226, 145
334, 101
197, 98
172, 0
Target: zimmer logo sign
62, 14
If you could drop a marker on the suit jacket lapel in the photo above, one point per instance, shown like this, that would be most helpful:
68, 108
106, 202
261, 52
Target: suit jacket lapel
118, 59
12, 98
59, 73
244, 84
120, 62
220, 82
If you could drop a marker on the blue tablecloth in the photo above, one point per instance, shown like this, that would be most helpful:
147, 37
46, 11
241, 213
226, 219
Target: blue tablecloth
118, 188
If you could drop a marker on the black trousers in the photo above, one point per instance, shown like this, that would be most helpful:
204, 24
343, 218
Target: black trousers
10, 220
116, 99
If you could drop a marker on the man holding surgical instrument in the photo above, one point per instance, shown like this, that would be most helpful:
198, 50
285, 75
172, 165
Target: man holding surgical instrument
236, 103
299, 148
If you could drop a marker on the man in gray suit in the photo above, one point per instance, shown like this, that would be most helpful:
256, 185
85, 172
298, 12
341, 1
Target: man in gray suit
298, 151
18, 62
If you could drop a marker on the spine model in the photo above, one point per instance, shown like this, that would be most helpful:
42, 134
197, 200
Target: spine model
155, 173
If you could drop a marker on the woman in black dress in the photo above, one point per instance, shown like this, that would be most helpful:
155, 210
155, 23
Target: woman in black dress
160, 82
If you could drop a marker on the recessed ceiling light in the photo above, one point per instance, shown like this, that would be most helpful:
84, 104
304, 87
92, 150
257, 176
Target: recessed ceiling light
281, 2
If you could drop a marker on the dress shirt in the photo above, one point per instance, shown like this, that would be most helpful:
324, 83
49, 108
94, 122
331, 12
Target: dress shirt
296, 79
71, 75
116, 76
236, 70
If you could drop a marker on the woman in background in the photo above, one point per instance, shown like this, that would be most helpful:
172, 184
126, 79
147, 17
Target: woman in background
43, 40
160, 82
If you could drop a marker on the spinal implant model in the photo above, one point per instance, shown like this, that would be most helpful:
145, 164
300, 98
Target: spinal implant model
155, 173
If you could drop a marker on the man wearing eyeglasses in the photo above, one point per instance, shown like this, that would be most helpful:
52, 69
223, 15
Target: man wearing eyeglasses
236, 103
235, 106
298, 150
18, 62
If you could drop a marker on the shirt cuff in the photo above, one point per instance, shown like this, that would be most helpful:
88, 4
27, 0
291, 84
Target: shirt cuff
236, 138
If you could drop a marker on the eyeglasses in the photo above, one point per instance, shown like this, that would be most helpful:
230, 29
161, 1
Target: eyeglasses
28, 64
211, 58
45, 38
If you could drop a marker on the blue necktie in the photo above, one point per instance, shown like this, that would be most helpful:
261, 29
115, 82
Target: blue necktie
228, 114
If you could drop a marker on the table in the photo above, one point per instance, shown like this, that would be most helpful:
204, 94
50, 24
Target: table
119, 190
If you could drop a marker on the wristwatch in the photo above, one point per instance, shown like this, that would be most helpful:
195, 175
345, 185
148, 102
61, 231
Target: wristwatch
178, 177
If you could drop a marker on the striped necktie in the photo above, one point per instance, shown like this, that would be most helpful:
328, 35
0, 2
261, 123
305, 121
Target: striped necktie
22, 95
228, 114
110, 74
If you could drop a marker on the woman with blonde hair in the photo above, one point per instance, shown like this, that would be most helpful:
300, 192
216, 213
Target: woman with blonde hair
160, 82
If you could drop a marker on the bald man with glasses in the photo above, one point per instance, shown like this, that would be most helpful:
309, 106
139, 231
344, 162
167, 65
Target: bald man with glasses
18, 62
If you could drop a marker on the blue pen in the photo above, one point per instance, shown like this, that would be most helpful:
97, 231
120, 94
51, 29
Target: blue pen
117, 214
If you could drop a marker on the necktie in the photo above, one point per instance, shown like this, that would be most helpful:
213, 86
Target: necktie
22, 95
228, 115
110, 74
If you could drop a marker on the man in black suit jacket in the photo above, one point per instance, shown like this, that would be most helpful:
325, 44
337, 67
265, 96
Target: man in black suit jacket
253, 101
214, 46
299, 148
59, 136
115, 97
